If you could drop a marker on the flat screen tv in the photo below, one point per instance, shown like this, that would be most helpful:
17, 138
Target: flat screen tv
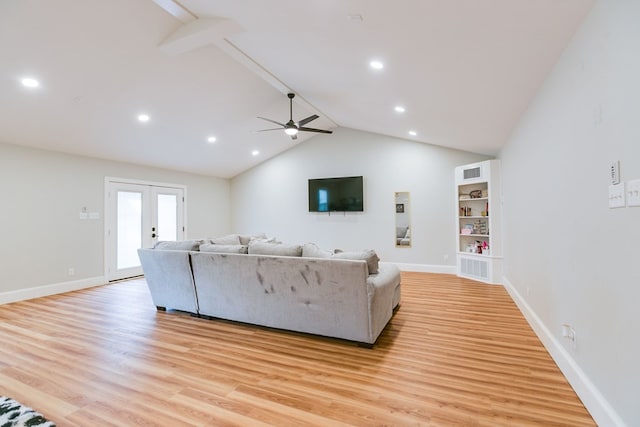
336, 194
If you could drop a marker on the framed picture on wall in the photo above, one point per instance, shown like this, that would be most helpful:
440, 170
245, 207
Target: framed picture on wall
399, 207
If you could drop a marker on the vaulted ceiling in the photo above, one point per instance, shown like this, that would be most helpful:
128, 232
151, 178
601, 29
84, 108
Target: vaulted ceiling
464, 71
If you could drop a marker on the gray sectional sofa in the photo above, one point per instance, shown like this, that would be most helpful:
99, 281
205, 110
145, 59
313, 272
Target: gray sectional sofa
300, 288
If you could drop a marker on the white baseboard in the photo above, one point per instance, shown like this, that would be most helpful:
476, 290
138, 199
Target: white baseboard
46, 290
426, 268
599, 408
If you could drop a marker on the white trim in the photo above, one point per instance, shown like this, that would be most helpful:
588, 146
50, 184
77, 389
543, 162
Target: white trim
52, 289
425, 268
599, 408
142, 182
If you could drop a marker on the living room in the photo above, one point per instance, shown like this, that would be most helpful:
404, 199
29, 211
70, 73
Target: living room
568, 257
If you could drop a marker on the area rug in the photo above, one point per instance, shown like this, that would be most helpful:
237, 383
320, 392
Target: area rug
13, 414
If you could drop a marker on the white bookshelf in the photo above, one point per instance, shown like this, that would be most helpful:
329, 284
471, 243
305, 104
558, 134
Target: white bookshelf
478, 221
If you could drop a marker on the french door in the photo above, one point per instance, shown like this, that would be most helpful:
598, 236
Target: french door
137, 216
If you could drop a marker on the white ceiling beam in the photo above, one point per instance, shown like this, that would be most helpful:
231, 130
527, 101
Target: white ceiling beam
199, 33
236, 53
216, 31
176, 9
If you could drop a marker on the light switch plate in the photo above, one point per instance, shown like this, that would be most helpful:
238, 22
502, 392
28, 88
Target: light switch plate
633, 192
616, 196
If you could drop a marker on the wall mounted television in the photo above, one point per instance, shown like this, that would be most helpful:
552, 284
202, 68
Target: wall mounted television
342, 194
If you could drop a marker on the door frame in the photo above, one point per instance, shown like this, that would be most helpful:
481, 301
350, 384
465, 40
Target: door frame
109, 180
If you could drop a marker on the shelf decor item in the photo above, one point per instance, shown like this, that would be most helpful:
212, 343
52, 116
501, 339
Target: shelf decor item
478, 239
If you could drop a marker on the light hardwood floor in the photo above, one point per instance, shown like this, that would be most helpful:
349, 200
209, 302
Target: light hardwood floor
456, 353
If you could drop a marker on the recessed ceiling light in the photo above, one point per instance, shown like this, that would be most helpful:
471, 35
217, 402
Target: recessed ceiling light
399, 109
413, 133
376, 65
29, 82
211, 139
255, 152
143, 118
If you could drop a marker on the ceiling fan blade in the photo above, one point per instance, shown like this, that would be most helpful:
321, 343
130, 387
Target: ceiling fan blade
272, 121
314, 130
307, 120
266, 130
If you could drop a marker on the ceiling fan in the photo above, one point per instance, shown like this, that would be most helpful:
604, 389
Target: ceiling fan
292, 128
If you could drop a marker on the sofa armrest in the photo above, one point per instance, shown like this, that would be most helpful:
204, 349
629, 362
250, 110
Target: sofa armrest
384, 296
169, 279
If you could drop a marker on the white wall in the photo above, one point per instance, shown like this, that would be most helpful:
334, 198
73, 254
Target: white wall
568, 258
42, 195
273, 197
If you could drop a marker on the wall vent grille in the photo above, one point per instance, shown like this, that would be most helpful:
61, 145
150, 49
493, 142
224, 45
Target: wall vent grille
472, 173
475, 268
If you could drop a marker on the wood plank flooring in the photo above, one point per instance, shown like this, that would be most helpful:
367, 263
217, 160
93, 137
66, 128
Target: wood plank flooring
456, 353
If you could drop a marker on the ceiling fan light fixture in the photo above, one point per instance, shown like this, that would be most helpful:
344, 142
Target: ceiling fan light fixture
292, 128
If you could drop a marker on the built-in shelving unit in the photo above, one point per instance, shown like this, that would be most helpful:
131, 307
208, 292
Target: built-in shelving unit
478, 223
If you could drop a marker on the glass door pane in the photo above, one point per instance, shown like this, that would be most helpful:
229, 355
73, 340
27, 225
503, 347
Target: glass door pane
129, 229
167, 217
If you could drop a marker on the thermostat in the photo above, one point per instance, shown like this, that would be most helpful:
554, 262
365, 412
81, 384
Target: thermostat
615, 172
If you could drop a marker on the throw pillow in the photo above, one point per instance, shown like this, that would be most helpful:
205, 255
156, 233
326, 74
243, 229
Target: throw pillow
279, 249
311, 250
182, 245
225, 249
368, 255
264, 240
231, 239
246, 238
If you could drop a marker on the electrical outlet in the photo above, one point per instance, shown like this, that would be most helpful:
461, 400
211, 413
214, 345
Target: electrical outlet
569, 333
71, 271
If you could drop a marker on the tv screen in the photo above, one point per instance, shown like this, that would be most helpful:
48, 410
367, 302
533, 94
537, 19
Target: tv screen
336, 194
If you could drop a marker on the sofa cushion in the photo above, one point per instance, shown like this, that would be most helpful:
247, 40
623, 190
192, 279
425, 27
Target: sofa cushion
368, 255
226, 249
311, 250
280, 249
231, 239
181, 245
